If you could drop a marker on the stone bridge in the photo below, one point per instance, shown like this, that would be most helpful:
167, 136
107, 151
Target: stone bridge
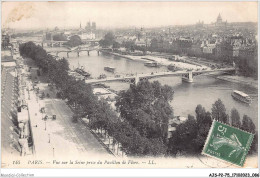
186, 76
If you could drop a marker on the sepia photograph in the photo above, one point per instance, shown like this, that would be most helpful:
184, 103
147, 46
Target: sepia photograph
129, 84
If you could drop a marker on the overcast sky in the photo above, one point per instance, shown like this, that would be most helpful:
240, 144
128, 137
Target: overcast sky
122, 14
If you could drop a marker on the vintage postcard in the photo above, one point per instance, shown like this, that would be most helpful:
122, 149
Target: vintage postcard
129, 84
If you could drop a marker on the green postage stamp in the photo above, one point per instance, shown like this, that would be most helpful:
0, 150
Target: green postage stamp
227, 143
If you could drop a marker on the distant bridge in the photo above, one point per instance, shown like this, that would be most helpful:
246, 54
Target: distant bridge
38, 42
45, 42
188, 75
77, 50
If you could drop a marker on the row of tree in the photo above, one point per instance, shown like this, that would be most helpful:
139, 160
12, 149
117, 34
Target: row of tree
80, 96
190, 136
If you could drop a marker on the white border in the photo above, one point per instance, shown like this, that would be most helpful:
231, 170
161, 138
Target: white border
132, 172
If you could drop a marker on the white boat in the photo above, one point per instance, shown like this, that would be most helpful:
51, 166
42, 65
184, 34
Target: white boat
239, 95
152, 64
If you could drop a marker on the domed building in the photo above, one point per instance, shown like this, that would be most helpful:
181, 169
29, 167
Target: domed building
220, 22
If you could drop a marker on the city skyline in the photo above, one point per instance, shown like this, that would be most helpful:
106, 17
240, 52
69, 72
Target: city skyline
31, 15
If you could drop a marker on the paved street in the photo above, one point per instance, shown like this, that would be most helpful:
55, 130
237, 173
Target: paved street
60, 138
72, 132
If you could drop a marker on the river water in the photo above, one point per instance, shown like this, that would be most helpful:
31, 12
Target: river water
205, 90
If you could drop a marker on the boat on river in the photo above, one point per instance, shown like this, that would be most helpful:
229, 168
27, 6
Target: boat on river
152, 64
81, 71
239, 95
110, 69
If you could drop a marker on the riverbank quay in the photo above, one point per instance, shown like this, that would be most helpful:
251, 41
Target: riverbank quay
240, 79
160, 60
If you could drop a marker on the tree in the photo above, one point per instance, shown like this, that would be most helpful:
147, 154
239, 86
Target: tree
254, 145
247, 124
200, 114
129, 45
108, 40
60, 73
116, 45
59, 37
109, 37
74, 40
204, 122
146, 107
219, 112
183, 137
235, 118
154, 44
203, 131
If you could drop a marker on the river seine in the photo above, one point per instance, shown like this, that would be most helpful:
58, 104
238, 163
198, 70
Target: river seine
205, 90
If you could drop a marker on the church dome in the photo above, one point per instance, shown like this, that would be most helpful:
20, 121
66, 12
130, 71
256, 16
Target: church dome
219, 19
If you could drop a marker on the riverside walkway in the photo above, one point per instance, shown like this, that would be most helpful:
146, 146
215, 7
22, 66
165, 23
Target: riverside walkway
59, 138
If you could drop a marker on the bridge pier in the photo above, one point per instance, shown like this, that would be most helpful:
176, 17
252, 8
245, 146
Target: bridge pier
236, 70
98, 52
88, 53
68, 55
78, 53
12, 52
137, 79
187, 77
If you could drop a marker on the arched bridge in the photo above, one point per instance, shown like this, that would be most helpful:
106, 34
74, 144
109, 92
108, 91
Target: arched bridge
136, 78
78, 50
